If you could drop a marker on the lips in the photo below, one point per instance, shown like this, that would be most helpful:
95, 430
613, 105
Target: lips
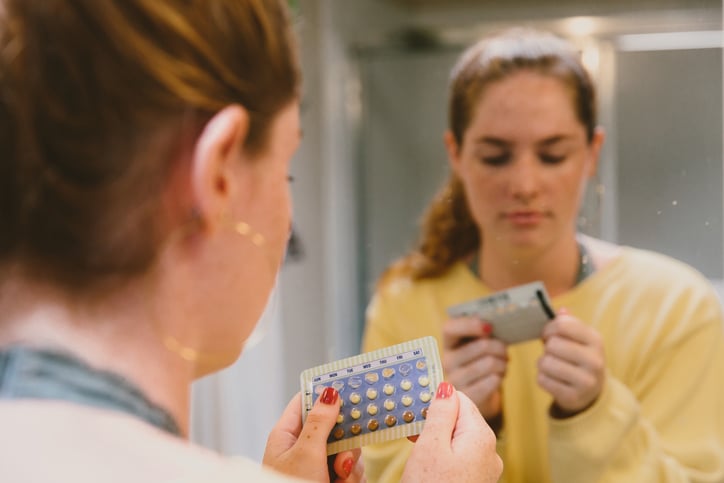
525, 218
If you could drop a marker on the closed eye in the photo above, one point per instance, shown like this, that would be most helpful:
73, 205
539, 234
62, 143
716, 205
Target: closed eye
552, 159
499, 160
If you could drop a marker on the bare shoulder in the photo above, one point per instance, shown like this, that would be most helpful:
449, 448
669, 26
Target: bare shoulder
602, 252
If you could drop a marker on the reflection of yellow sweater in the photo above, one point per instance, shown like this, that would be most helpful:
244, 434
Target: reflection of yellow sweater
660, 417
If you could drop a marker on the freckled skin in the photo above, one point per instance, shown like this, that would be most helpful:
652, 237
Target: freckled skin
436, 454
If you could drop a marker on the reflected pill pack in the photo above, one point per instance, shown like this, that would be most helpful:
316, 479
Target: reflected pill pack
517, 314
385, 393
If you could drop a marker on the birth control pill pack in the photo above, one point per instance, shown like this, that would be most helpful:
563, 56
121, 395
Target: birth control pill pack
516, 315
385, 393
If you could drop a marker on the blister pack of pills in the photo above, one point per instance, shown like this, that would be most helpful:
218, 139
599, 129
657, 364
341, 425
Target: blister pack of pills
385, 393
516, 315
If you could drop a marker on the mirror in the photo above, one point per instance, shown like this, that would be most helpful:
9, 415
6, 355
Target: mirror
659, 79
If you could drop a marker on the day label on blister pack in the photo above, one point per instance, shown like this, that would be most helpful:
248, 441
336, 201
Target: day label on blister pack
385, 393
516, 315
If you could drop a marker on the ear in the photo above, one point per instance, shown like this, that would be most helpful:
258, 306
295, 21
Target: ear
453, 151
599, 136
219, 146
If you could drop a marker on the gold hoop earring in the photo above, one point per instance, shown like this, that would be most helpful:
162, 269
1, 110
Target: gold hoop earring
171, 343
244, 229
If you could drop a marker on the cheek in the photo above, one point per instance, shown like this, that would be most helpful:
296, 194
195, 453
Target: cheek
574, 181
280, 217
567, 190
482, 197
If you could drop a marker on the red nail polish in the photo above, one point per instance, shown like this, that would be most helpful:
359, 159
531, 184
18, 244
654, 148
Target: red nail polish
487, 328
444, 390
329, 395
347, 467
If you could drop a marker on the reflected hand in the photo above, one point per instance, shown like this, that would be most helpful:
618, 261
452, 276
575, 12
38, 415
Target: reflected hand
456, 444
474, 362
572, 368
302, 451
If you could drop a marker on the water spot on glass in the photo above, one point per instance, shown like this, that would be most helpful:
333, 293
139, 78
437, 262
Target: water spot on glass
658, 212
674, 202
706, 223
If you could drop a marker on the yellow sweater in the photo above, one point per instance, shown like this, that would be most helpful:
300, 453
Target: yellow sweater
660, 417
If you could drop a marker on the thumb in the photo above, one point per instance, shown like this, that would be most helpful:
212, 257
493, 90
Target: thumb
441, 418
470, 428
321, 419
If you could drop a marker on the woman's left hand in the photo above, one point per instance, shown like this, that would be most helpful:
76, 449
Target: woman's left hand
572, 368
302, 451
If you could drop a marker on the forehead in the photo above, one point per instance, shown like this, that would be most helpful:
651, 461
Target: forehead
525, 104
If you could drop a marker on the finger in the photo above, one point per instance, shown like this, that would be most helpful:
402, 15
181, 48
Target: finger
288, 427
441, 419
465, 375
575, 353
558, 389
470, 423
473, 431
481, 389
321, 419
571, 328
344, 463
476, 349
355, 476
565, 372
456, 330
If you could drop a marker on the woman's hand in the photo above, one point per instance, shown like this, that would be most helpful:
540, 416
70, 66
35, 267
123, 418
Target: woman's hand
302, 451
456, 444
572, 368
474, 362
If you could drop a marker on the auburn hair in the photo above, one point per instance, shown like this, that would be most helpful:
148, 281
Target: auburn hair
94, 98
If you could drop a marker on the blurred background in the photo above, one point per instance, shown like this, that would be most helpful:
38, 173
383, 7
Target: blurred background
373, 114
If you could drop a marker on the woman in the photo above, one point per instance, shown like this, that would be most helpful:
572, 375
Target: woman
144, 211
625, 382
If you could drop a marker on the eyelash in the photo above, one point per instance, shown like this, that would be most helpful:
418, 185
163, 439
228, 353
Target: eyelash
496, 160
505, 158
550, 159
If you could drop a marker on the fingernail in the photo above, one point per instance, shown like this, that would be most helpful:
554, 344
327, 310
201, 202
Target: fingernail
487, 329
347, 466
329, 395
563, 311
444, 390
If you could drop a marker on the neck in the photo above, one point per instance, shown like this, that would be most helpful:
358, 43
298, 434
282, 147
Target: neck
557, 266
117, 336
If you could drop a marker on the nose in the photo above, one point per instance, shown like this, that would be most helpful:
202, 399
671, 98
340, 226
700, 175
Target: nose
525, 178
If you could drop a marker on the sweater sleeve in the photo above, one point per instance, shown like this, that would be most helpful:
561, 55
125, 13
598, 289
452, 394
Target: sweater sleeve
664, 425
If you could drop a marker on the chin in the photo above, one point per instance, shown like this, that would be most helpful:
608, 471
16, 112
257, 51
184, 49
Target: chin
525, 239
215, 360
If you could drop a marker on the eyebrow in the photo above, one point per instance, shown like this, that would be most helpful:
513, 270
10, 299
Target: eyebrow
492, 140
555, 139
495, 141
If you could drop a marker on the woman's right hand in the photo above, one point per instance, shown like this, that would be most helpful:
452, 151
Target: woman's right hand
456, 444
474, 362
301, 451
